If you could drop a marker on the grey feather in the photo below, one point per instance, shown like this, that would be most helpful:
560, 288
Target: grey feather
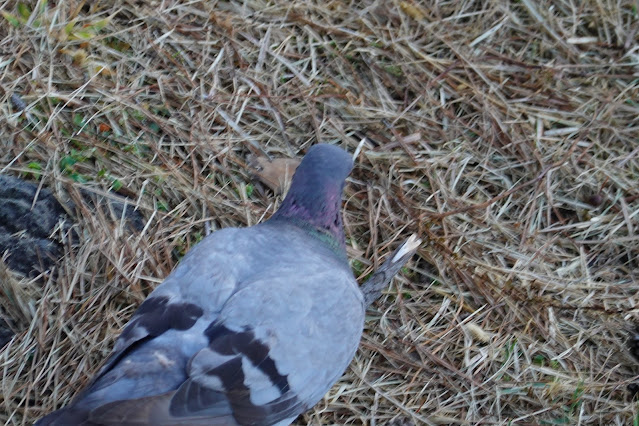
251, 328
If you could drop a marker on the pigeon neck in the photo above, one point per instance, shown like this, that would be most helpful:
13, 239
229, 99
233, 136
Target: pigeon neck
320, 216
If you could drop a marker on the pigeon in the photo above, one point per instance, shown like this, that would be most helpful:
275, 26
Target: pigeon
252, 327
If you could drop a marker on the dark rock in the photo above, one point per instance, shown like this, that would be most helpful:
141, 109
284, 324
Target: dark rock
25, 226
5, 333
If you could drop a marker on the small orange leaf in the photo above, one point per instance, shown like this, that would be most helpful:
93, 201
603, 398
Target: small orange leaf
276, 173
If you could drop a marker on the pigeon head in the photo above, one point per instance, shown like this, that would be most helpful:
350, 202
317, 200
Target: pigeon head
315, 197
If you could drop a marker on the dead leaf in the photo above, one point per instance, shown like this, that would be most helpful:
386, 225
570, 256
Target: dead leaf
276, 173
413, 10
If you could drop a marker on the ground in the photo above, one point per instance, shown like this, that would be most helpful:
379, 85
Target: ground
504, 133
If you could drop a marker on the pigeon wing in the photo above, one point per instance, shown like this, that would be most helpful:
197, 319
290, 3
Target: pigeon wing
260, 370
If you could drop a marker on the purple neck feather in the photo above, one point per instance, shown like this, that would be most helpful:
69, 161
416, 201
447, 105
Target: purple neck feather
320, 212
315, 197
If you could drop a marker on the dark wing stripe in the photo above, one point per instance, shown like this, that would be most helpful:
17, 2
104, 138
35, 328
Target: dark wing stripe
157, 315
231, 374
227, 342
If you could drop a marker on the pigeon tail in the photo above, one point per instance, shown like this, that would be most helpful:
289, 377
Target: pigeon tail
315, 197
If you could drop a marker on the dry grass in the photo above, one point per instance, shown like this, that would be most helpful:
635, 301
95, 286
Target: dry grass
506, 134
